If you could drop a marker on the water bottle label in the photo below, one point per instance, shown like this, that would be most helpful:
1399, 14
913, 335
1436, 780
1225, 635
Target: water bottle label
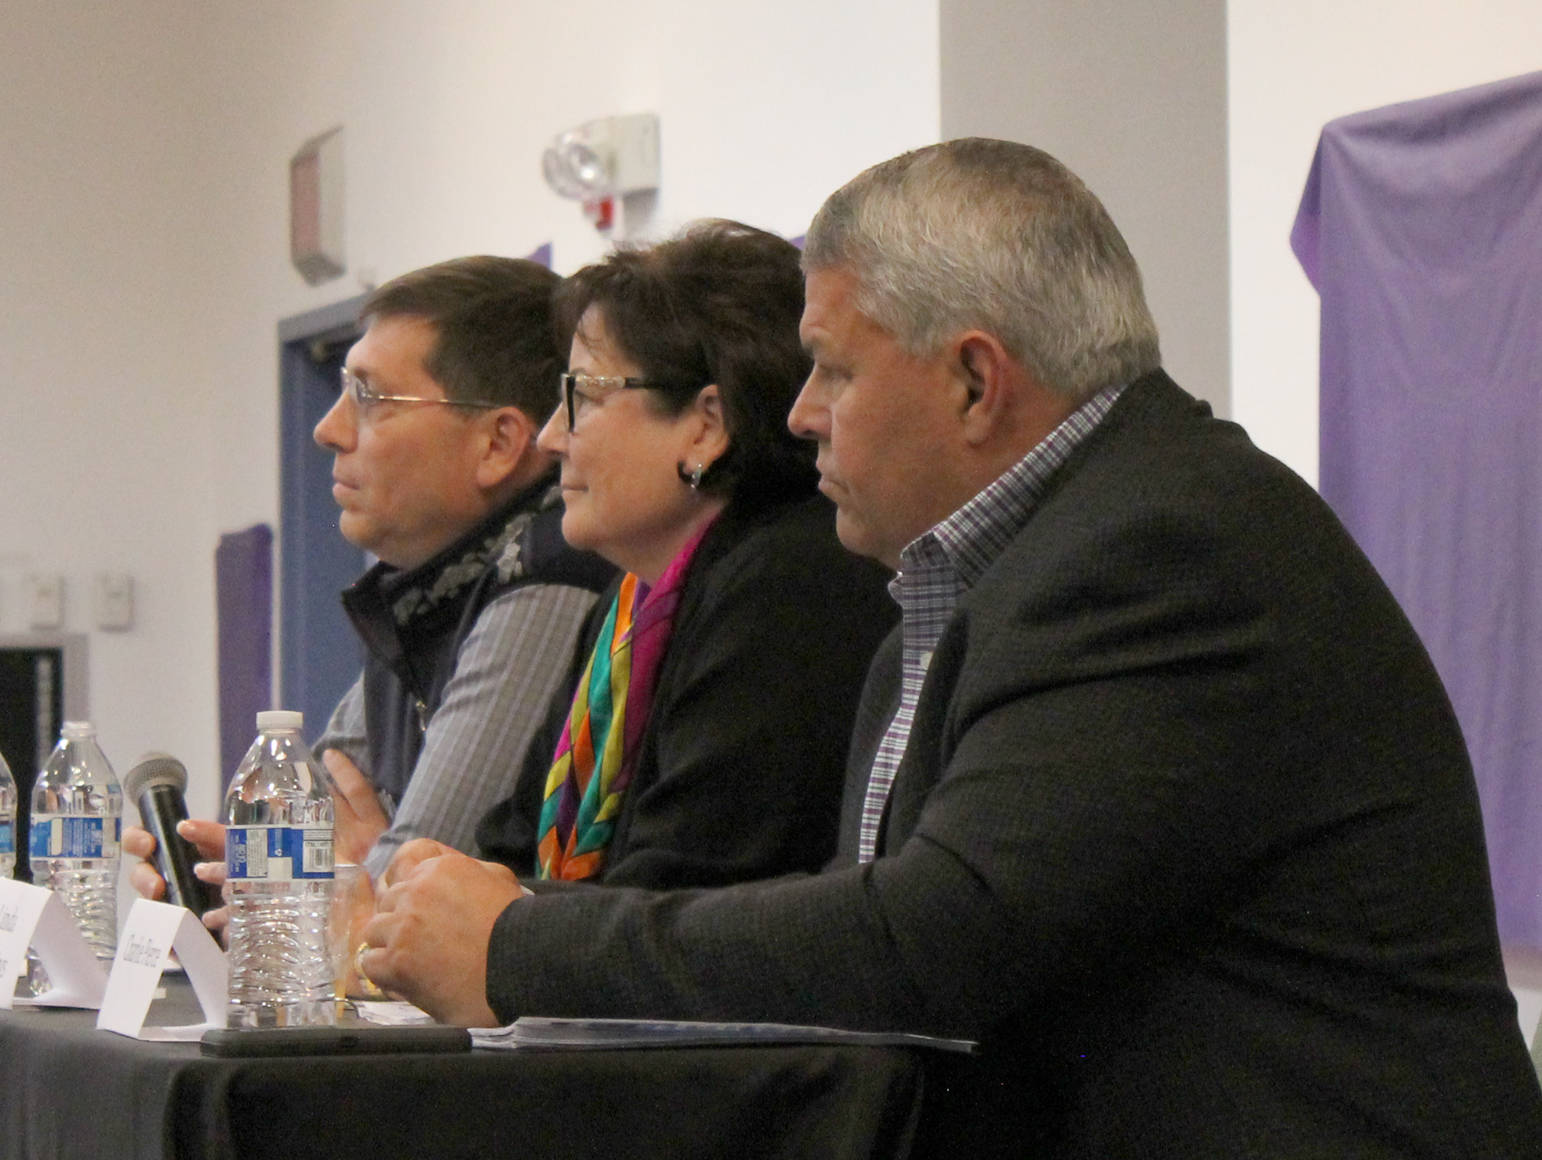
7, 838
74, 837
278, 853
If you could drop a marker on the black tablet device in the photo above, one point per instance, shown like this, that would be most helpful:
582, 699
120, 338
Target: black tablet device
353, 1039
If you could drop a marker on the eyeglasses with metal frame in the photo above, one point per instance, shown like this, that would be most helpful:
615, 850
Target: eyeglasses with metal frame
579, 392
365, 396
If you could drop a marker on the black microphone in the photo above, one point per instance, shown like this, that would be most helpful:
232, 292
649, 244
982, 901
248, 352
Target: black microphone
157, 785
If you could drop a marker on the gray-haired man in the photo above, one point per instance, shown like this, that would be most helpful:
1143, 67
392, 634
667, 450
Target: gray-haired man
1155, 792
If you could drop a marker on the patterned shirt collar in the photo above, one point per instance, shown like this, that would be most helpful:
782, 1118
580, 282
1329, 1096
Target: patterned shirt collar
940, 565
972, 537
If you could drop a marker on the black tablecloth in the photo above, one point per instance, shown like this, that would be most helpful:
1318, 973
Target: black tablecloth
69, 1090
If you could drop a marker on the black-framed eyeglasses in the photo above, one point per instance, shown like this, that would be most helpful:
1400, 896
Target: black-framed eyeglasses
365, 396
581, 393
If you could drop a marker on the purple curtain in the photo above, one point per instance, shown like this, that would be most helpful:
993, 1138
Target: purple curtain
1421, 227
243, 581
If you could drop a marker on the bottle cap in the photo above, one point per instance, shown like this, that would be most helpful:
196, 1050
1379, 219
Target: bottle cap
75, 729
280, 719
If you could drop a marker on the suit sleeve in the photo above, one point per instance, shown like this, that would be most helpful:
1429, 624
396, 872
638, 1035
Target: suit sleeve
1166, 723
1052, 812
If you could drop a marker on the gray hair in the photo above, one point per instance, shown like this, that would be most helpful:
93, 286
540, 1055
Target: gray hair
995, 236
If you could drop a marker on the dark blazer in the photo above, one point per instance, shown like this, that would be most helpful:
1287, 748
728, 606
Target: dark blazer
744, 754
1185, 834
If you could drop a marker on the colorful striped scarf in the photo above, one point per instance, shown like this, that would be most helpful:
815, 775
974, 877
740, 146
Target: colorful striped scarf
603, 735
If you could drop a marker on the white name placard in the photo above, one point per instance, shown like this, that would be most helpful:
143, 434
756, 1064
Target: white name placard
33, 916
153, 931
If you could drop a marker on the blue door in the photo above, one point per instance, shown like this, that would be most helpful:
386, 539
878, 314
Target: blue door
319, 655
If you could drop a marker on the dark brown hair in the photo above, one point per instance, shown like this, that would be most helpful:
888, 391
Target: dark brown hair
718, 303
494, 318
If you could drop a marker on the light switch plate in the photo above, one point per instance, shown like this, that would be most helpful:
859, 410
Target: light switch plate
45, 600
114, 600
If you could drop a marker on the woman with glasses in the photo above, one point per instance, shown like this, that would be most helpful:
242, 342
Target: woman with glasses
716, 688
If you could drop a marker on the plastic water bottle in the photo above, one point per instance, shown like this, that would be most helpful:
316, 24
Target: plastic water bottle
7, 820
77, 821
278, 855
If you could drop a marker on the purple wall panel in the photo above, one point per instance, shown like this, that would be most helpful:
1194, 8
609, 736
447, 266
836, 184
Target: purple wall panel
243, 566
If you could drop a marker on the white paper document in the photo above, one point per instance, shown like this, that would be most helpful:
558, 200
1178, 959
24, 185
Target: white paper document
391, 1013
534, 1031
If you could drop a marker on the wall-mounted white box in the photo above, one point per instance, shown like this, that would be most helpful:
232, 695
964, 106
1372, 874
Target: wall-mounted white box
114, 601
45, 600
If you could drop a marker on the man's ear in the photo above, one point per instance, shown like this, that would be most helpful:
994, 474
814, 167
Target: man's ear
988, 374
508, 442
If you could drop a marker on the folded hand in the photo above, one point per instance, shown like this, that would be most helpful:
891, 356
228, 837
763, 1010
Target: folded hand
434, 914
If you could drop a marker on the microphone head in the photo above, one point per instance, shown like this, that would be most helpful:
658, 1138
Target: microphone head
152, 770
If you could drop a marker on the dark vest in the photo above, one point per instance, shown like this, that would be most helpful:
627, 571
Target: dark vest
413, 623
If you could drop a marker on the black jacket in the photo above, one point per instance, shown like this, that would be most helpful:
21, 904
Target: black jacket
743, 756
1185, 833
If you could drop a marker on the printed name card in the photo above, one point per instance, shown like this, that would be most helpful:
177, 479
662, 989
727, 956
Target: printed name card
34, 916
15, 933
153, 931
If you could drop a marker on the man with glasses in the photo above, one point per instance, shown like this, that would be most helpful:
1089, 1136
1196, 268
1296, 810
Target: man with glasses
469, 619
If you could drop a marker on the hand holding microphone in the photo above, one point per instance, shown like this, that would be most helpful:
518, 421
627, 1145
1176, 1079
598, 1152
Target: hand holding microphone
157, 784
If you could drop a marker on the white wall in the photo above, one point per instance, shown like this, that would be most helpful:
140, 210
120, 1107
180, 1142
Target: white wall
1291, 69
143, 238
106, 385
1133, 98
447, 105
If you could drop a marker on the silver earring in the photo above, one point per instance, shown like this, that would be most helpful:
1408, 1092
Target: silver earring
696, 477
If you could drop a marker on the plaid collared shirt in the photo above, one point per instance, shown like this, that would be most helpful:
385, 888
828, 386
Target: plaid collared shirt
941, 565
